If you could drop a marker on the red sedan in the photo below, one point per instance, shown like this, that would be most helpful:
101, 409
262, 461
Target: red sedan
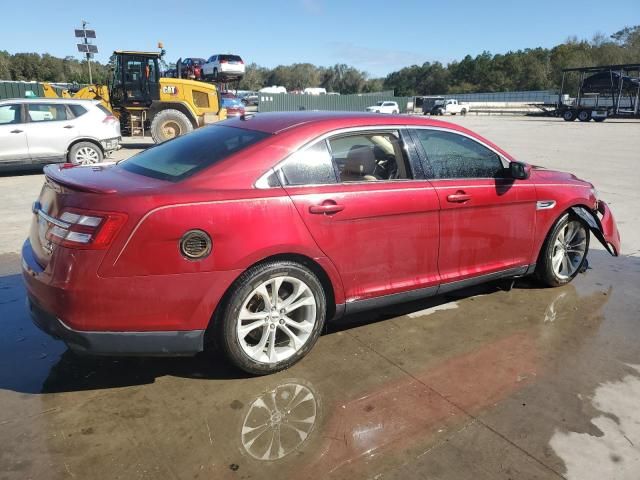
258, 229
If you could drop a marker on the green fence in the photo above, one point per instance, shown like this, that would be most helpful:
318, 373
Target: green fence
283, 102
20, 89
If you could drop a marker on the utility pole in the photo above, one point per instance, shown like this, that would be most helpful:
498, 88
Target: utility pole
86, 47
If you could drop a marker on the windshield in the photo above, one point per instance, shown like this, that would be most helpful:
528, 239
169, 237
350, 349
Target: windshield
379, 104
183, 156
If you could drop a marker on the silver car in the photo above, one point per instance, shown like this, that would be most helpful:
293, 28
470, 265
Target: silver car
46, 130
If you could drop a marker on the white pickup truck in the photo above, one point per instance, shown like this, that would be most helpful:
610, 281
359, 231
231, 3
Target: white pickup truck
449, 106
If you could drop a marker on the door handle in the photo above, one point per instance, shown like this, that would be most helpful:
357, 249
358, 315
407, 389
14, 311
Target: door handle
327, 207
68, 126
459, 197
16, 131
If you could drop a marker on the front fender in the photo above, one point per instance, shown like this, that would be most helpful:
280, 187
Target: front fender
604, 229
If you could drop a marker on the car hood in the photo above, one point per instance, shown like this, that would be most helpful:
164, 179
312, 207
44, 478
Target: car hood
546, 175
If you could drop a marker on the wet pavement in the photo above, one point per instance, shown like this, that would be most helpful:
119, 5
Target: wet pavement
484, 383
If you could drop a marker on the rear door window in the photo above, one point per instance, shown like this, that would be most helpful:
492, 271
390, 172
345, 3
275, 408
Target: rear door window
309, 166
183, 156
46, 112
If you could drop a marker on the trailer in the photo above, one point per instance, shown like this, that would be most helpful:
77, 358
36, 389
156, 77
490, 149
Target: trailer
608, 91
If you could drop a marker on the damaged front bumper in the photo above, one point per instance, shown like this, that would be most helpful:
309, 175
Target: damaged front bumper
602, 225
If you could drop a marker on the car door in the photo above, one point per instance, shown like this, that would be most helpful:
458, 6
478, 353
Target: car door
487, 220
368, 210
207, 68
13, 138
49, 131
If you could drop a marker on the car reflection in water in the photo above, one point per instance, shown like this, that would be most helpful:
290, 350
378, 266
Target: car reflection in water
411, 412
279, 421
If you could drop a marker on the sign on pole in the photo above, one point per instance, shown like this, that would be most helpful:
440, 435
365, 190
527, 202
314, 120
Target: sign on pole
86, 47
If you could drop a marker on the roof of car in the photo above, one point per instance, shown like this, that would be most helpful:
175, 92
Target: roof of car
49, 100
276, 122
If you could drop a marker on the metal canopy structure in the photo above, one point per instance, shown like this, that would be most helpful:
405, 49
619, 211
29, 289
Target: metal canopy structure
604, 91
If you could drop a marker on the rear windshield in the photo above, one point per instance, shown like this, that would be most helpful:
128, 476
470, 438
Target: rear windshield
230, 58
198, 61
186, 155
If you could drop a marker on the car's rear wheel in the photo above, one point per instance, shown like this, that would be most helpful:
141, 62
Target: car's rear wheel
85, 153
273, 317
564, 252
169, 124
569, 115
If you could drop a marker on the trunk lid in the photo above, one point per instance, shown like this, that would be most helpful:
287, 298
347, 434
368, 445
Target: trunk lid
85, 188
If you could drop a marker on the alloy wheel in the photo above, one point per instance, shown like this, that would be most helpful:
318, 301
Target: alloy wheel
569, 249
276, 319
87, 156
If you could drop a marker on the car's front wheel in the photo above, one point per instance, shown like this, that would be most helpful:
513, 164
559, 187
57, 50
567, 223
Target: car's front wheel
564, 252
273, 317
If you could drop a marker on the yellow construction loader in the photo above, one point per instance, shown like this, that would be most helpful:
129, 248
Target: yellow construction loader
146, 103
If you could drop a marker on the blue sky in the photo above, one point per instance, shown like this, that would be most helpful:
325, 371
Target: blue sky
378, 36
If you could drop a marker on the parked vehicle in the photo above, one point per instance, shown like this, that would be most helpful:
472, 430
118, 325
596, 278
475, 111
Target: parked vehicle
259, 229
315, 91
449, 106
384, 107
250, 100
223, 67
234, 107
43, 130
273, 89
190, 68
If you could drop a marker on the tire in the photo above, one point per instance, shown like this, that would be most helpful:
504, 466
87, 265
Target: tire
215, 74
85, 153
395, 112
599, 119
253, 352
549, 271
569, 115
463, 112
168, 124
584, 115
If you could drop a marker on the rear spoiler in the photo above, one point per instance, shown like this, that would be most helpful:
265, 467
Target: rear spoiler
58, 174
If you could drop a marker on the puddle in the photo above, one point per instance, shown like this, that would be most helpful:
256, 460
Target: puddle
615, 451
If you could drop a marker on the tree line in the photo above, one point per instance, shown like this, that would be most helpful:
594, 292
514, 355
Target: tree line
528, 69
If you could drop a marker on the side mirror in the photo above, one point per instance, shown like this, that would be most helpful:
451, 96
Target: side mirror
519, 170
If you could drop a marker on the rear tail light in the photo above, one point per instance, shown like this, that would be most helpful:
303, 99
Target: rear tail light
92, 230
109, 119
223, 61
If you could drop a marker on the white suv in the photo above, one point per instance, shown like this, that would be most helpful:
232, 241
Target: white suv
223, 67
384, 107
46, 130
